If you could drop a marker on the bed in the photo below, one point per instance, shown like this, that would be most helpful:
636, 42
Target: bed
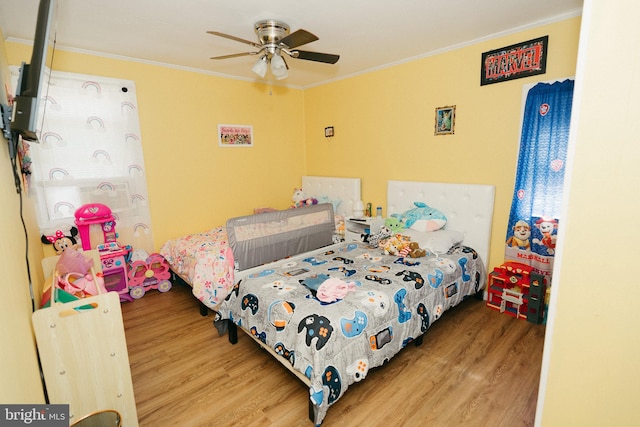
331, 314
205, 260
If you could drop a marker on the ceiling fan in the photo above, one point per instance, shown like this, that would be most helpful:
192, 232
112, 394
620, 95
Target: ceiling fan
274, 39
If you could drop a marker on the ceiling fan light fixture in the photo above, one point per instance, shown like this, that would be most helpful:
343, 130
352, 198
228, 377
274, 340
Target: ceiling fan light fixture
260, 67
278, 67
274, 39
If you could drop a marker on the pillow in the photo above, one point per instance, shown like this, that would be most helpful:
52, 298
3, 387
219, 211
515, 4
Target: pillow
335, 203
423, 218
438, 242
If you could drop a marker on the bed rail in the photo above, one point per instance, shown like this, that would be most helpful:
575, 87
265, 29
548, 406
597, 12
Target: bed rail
262, 238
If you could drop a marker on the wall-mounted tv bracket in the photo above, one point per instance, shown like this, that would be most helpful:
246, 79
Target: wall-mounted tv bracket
12, 138
6, 121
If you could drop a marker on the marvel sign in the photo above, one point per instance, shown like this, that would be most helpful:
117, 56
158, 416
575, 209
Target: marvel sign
516, 61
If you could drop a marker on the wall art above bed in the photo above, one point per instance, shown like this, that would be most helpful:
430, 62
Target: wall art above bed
235, 135
445, 120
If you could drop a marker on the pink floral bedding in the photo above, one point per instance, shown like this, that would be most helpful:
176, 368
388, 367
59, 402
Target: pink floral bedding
205, 261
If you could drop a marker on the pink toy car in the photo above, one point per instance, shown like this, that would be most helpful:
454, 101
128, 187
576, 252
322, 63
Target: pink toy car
152, 273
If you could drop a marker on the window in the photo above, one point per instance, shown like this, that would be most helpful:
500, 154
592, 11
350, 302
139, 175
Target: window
90, 151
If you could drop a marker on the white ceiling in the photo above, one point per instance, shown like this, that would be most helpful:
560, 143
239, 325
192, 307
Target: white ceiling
367, 34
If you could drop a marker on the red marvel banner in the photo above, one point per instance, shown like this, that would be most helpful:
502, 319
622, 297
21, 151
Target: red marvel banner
516, 61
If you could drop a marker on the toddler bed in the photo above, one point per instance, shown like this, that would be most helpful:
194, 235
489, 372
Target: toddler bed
205, 261
331, 314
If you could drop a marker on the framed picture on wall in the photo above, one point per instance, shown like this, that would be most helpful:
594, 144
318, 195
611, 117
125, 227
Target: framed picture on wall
516, 61
235, 135
445, 120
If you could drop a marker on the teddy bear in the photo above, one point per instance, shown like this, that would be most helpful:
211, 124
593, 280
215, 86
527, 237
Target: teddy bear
414, 250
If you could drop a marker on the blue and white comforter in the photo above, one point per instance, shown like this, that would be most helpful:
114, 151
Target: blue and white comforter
389, 302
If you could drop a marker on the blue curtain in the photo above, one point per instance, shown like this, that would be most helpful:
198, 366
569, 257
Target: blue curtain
537, 198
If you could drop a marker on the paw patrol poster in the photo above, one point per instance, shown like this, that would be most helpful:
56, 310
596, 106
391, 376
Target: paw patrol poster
533, 242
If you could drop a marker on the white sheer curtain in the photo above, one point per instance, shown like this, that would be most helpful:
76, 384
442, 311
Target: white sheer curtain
90, 152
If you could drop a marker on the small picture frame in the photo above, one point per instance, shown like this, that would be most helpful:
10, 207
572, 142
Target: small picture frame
235, 135
445, 120
328, 132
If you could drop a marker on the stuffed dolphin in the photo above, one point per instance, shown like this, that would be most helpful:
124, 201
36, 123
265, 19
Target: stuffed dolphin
423, 218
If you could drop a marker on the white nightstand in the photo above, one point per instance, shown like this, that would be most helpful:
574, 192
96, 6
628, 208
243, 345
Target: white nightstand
355, 227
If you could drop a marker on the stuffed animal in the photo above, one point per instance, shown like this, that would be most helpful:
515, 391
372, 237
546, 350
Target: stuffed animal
300, 199
411, 250
414, 250
394, 224
394, 244
374, 240
422, 218
61, 241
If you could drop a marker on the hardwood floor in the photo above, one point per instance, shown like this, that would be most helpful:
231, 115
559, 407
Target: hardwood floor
476, 367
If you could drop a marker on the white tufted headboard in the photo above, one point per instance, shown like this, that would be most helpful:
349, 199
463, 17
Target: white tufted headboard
347, 190
468, 208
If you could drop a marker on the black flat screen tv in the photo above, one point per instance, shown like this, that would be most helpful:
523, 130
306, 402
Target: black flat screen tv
32, 78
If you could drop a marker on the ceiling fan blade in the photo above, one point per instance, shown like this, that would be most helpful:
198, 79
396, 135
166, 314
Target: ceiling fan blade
234, 55
230, 37
327, 58
298, 38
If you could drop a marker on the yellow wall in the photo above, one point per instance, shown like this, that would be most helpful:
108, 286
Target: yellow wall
384, 125
18, 359
591, 375
384, 122
193, 184
188, 174
384, 130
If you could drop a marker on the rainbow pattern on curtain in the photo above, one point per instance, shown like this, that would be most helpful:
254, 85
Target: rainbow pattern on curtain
537, 199
90, 151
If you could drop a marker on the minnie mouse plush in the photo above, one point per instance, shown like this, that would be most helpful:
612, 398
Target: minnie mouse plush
60, 241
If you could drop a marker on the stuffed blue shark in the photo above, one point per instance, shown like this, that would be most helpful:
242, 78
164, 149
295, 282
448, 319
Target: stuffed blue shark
423, 218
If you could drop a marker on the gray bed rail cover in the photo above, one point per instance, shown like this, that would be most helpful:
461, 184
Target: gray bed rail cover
263, 238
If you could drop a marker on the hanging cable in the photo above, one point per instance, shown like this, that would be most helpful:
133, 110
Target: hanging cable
28, 266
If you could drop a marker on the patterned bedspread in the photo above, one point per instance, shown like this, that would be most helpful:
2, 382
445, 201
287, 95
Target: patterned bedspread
335, 313
205, 261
